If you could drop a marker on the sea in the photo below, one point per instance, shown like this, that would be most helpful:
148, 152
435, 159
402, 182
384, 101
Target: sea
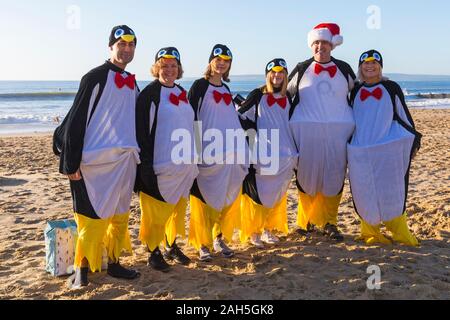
39, 106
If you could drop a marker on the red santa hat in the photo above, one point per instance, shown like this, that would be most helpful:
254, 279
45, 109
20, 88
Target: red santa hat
327, 32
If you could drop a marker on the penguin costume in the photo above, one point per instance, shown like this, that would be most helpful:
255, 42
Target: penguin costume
164, 182
98, 140
264, 201
215, 195
379, 157
322, 123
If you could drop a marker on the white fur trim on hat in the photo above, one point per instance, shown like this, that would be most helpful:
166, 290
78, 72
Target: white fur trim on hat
337, 40
324, 34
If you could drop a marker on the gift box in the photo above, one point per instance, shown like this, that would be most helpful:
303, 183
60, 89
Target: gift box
60, 242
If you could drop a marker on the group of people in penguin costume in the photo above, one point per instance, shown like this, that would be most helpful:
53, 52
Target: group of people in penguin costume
115, 137
362, 121
164, 187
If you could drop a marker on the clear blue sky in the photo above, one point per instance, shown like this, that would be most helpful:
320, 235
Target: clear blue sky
37, 44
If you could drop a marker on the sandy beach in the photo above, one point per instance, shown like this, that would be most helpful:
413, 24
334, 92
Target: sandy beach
32, 192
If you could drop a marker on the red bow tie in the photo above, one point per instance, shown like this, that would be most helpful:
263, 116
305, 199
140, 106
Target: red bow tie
271, 100
176, 99
128, 81
331, 70
225, 96
377, 94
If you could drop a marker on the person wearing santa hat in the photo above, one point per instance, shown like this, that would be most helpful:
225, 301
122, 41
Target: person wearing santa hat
380, 153
322, 122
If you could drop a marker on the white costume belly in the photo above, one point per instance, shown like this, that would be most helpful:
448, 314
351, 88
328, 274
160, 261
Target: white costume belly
220, 184
110, 152
322, 124
273, 184
109, 178
175, 172
378, 160
377, 175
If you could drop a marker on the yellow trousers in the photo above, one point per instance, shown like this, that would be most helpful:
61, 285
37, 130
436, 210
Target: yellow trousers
318, 210
161, 219
206, 223
96, 234
256, 218
398, 228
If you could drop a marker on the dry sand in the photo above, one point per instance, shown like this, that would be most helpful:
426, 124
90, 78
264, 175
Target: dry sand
32, 192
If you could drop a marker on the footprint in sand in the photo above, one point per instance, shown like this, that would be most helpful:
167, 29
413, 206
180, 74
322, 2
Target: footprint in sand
18, 220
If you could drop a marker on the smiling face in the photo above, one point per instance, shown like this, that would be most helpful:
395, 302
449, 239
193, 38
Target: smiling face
276, 82
371, 71
220, 66
276, 78
122, 52
168, 71
321, 51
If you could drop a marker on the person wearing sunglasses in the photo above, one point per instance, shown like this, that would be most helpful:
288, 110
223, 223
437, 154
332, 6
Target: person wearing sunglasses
264, 201
322, 123
99, 153
215, 195
380, 152
163, 182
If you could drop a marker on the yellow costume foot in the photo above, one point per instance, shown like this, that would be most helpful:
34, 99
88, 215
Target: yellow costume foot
372, 235
318, 209
400, 231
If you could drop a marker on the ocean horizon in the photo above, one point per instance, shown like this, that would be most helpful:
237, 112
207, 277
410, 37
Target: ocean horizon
37, 106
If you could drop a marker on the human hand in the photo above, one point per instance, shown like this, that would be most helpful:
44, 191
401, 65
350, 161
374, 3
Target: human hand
75, 176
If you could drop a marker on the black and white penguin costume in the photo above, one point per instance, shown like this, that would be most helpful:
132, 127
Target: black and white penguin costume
264, 112
322, 116
164, 182
217, 189
98, 137
322, 122
220, 115
380, 151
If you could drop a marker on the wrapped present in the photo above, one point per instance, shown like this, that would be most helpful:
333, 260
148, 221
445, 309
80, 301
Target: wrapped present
60, 242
